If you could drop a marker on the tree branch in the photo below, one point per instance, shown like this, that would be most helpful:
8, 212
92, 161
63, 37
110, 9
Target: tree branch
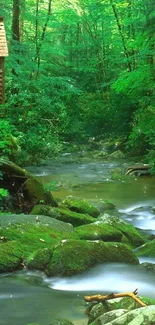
101, 298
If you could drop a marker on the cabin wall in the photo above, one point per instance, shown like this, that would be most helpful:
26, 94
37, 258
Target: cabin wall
2, 81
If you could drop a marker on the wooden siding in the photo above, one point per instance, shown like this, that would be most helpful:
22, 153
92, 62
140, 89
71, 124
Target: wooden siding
3, 43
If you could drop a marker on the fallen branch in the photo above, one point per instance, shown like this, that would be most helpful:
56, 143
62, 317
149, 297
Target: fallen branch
101, 298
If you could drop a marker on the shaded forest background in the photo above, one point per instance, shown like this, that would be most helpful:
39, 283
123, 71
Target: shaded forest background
78, 69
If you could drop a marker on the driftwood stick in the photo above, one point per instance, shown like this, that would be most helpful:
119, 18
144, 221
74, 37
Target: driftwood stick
101, 298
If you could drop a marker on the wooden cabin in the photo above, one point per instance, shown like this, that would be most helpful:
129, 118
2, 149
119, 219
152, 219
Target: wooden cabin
3, 54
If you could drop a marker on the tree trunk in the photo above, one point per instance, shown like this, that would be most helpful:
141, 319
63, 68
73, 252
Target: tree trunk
126, 53
15, 20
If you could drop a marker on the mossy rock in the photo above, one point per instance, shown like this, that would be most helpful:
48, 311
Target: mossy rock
147, 249
139, 316
36, 236
81, 206
95, 232
148, 267
49, 199
126, 303
44, 210
60, 321
63, 214
39, 220
11, 256
39, 259
130, 234
100, 155
118, 154
34, 192
75, 256
104, 205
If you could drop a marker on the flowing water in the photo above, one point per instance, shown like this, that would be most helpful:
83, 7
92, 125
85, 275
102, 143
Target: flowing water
27, 297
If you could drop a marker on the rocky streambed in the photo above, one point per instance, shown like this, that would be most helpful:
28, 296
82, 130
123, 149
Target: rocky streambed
67, 237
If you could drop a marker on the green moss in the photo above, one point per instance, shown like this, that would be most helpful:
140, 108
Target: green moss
76, 219
73, 256
33, 190
11, 256
11, 169
125, 303
148, 301
45, 210
39, 259
81, 206
131, 236
49, 199
63, 214
115, 176
147, 249
94, 232
104, 205
33, 237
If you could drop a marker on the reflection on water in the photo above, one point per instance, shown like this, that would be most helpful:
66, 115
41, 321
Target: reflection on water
28, 297
23, 302
93, 181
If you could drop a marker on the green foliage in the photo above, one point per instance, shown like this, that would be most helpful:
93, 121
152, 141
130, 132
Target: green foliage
3, 194
5, 137
84, 70
142, 138
51, 186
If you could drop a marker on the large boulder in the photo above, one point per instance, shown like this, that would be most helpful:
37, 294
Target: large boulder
81, 206
35, 220
95, 232
19, 241
123, 303
130, 234
75, 256
63, 214
140, 316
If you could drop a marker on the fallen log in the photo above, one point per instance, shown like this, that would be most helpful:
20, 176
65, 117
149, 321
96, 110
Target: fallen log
137, 168
100, 298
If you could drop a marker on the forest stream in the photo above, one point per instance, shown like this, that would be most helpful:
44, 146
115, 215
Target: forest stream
28, 297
